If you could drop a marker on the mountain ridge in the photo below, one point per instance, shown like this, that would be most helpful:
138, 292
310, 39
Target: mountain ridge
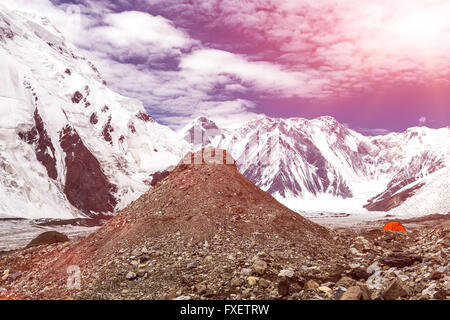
333, 159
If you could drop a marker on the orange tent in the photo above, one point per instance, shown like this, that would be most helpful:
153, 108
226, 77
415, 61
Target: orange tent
394, 226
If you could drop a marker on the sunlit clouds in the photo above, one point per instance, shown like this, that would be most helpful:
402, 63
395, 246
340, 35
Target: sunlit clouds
185, 58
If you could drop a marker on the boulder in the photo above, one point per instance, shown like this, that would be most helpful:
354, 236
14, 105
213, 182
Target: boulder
395, 290
259, 267
353, 293
400, 260
287, 273
346, 282
47, 238
359, 292
131, 276
192, 265
359, 274
252, 280
246, 272
311, 285
324, 289
283, 287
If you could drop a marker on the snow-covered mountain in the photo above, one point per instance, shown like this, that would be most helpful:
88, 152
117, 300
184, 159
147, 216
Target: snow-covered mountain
202, 132
419, 156
69, 146
323, 161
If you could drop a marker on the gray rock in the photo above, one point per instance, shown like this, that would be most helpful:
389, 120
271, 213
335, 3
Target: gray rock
259, 267
441, 269
186, 279
246, 272
183, 298
287, 273
192, 265
131, 276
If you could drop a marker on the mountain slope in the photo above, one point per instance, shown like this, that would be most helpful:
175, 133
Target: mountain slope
69, 145
419, 153
431, 198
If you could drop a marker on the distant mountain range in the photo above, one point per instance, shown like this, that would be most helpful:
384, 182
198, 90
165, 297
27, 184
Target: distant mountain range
299, 158
71, 147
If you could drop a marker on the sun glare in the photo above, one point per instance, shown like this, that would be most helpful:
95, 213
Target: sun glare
420, 28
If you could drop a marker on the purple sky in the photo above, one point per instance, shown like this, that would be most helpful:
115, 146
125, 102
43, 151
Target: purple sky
376, 66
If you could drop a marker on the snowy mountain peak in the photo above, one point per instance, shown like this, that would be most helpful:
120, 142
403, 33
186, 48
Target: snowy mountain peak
327, 120
201, 132
205, 123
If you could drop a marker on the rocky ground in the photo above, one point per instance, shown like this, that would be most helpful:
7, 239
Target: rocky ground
206, 232
370, 264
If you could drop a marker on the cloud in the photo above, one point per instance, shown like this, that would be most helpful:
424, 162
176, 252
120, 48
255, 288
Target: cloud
126, 46
347, 45
373, 131
140, 33
224, 113
175, 97
183, 57
210, 63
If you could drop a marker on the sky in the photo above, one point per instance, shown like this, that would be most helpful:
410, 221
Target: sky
375, 65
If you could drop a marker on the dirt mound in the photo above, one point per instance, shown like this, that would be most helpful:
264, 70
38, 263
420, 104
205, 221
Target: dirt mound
200, 200
206, 214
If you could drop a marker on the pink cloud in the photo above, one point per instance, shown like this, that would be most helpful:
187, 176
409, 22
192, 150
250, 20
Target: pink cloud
310, 49
354, 38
